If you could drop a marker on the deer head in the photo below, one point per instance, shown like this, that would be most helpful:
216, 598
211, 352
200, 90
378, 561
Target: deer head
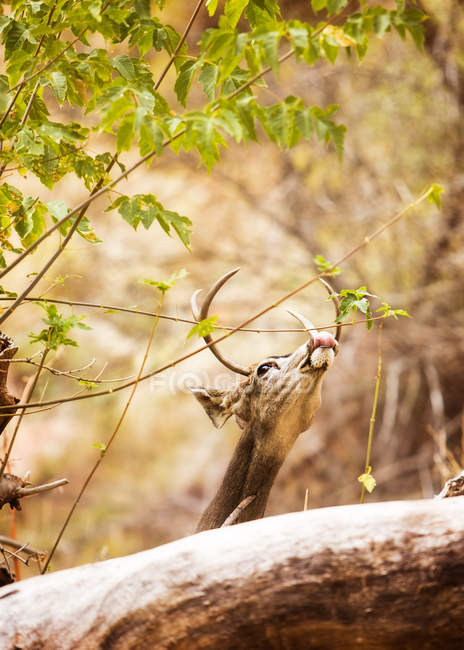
273, 405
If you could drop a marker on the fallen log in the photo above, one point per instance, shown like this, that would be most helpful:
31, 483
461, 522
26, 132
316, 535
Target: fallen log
383, 575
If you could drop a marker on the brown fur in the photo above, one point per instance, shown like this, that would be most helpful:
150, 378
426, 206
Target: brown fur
273, 410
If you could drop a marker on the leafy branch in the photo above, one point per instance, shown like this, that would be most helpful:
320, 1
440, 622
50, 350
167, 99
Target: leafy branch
201, 130
365, 242
104, 448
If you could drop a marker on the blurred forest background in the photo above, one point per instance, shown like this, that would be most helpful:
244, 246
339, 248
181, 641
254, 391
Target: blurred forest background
269, 212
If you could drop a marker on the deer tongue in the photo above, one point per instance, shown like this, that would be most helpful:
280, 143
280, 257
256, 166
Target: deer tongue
324, 339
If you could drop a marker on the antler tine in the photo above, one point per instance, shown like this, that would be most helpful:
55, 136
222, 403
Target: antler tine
336, 301
200, 313
309, 327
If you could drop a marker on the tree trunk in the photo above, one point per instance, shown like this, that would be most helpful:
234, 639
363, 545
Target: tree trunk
383, 575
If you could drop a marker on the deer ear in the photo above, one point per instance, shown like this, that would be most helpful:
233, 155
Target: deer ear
215, 404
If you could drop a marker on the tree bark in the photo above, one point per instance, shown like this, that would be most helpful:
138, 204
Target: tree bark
383, 575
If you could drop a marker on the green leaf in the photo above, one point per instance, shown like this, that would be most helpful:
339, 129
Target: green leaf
352, 300
211, 6
411, 19
57, 209
182, 225
219, 43
59, 85
203, 328
28, 143
434, 194
144, 208
299, 35
4, 94
334, 6
330, 49
208, 78
165, 285
98, 445
326, 129
317, 5
233, 10
184, 80
382, 22
389, 311
230, 122
115, 109
126, 132
326, 267
270, 44
125, 66
55, 335
86, 231
151, 137
9, 294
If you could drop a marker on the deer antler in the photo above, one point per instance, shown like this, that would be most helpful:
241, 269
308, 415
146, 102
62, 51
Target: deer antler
336, 302
309, 327
202, 313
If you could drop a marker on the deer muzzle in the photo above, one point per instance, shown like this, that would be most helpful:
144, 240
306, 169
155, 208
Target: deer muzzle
321, 352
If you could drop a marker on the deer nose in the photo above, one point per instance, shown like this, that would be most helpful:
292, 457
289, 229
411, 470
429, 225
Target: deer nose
324, 340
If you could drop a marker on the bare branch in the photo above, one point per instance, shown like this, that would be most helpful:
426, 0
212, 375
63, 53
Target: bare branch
235, 514
13, 488
24, 548
179, 44
30, 491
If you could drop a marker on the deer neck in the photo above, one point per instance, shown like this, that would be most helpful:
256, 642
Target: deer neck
251, 472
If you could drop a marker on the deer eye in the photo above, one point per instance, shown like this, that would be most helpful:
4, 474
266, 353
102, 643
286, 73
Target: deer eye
262, 369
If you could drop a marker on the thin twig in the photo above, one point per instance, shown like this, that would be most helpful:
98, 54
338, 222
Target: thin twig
10, 106
341, 260
191, 321
179, 44
108, 443
70, 374
367, 467
29, 104
79, 392
306, 499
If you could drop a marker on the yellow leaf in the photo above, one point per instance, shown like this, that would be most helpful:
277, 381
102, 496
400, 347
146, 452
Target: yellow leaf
338, 35
368, 480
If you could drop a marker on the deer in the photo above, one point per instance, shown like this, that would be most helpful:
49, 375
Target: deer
272, 405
